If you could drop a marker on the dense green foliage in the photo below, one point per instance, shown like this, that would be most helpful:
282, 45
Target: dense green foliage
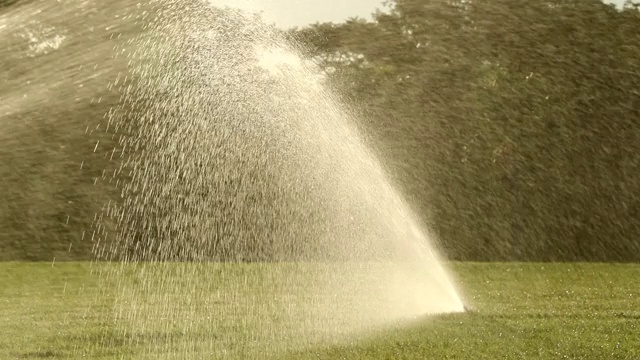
524, 311
516, 126
513, 127
52, 103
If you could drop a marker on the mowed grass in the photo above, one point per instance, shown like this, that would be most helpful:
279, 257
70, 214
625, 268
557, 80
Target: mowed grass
520, 310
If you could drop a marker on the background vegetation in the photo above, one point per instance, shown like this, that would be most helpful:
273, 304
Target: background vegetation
516, 126
513, 127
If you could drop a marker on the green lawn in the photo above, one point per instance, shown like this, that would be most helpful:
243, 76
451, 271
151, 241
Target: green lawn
536, 311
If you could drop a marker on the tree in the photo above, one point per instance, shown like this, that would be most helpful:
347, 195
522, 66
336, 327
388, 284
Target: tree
523, 124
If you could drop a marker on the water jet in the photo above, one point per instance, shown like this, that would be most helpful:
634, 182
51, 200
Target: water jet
230, 164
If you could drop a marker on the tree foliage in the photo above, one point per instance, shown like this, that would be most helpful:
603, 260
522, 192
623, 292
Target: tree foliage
513, 125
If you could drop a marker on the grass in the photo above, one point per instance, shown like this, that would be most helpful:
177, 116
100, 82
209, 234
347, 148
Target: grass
520, 310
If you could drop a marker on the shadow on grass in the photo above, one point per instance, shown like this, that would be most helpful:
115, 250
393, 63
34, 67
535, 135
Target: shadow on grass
40, 355
115, 339
110, 342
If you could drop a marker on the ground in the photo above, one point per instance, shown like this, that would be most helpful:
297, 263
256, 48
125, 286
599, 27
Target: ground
519, 310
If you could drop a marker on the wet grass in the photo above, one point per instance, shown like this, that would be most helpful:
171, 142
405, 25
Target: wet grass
535, 311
